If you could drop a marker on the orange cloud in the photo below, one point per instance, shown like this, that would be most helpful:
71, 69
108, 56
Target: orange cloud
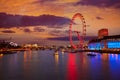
60, 8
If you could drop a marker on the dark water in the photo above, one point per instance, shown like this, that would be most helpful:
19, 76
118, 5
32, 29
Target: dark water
43, 65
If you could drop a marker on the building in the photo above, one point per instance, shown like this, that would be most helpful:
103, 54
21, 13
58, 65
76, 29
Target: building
102, 33
112, 42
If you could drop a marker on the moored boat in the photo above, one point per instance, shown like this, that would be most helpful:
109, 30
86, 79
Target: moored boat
91, 54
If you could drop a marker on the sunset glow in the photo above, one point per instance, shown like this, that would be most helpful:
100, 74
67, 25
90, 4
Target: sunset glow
47, 19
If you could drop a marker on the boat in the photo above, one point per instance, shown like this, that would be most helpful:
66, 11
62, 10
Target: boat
91, 54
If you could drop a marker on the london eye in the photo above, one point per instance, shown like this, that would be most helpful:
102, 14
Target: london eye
78, 32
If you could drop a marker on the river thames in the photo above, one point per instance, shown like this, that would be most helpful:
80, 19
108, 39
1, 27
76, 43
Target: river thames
44, 65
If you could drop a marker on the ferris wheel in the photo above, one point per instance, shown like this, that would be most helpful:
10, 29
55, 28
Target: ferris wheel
79, 31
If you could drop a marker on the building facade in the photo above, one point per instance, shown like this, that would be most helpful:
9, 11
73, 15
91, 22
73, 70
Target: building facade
102, 33
106, 42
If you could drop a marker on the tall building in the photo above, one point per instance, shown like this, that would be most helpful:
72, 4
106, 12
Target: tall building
102, 32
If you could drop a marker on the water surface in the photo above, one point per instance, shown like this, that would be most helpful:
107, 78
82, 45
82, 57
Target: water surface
44, 65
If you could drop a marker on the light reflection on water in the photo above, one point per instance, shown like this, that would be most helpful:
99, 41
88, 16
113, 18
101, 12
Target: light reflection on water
72, 73
45, 65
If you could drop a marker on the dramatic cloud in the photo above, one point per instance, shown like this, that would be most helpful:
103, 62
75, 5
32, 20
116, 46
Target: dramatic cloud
44, 1
56, 32
56, 1
8, 21
99, 18
28, 18
27, 30
8, 31
100, 3
38, 29
66, 38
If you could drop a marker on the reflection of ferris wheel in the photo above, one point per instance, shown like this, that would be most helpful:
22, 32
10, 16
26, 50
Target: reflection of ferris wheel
83, 32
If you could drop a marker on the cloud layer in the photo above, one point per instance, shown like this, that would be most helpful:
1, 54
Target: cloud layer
8, 31
8, 21
99, 18
66, 38
38, 29
100, 3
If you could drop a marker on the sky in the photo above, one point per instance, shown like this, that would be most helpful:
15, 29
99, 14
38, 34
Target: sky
35, 20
